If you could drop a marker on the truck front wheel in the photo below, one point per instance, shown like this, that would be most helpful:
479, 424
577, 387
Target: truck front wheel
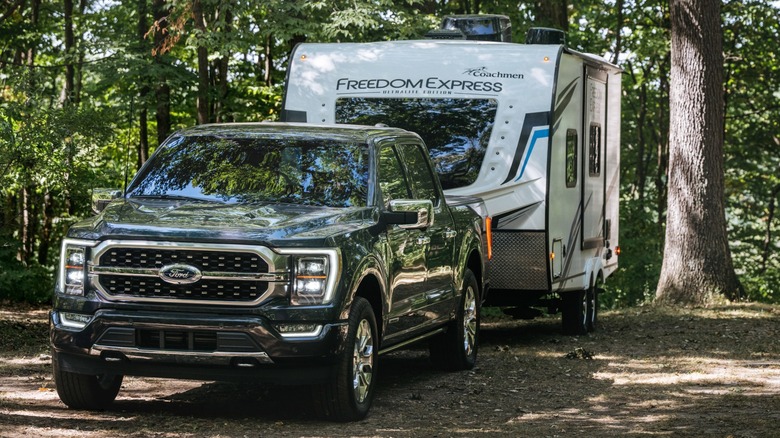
348, 395
83, 391
456, 349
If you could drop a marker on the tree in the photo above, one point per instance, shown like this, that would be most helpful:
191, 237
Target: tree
697, 265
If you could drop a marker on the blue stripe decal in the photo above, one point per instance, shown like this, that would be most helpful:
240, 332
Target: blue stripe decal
539, 134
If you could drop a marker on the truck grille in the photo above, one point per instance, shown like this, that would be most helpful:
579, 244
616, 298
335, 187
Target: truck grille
226, 274
223, 261
150, 287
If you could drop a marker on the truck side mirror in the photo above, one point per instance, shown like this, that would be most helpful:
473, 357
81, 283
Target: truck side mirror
101, 198
409, 213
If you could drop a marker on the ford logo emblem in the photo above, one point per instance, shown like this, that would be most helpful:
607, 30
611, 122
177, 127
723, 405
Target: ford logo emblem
180, 274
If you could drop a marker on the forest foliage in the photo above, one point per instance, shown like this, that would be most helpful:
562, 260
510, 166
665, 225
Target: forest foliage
88, 88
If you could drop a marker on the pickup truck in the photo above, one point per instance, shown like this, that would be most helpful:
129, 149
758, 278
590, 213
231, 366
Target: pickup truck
270, 252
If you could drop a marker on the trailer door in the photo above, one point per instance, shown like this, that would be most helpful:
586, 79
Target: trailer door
594, 129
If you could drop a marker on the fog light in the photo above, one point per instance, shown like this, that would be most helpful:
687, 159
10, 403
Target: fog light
298, 330
74, 320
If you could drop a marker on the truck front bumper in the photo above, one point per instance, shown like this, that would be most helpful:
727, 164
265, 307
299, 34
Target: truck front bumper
193, 346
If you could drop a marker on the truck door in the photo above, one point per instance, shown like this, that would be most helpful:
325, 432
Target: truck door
593, 154
407, 259
439, 238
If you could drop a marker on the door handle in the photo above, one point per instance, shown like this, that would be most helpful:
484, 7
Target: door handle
423, 240
450, 233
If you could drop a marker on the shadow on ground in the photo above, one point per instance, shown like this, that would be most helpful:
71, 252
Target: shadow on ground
712, 372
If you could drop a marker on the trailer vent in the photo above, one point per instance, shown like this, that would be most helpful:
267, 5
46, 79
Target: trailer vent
545, 35
474, 27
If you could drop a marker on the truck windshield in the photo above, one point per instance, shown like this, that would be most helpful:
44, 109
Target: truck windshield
257, 170
456, 131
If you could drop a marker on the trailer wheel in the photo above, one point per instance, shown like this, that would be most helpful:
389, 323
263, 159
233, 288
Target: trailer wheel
83, 391
593, 308
456, 349
349, 393
575, 312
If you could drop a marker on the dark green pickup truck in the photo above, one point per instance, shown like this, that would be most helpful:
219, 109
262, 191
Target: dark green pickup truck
278, 253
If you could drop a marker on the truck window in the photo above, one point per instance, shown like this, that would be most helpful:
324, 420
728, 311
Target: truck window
420, 176
304, 171
456, 131
392, 181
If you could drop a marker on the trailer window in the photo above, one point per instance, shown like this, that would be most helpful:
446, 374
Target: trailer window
571, 158
594, 168
456, 131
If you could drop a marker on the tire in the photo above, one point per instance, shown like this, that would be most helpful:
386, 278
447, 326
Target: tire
593, 308
456, 349
348, 395
574, 309
84, 391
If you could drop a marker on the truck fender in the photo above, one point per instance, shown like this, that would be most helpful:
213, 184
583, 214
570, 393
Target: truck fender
470, 243
371, 276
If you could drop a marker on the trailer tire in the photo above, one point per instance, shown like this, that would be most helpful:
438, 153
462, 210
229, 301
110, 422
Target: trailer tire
593, 308
575, 313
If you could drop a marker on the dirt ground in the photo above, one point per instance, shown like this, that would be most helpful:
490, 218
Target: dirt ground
645, 372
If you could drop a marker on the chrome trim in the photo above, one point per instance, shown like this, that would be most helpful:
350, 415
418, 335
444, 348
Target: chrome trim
152, 354
206, 275
412, 341
276, 277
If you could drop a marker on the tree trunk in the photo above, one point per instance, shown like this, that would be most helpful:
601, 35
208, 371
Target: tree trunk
697, 265
27, 224
162, 90
552, 13
70, 71
202, 102
268, 64
143, 94
221, 112
770, 217
34, 16
79, 79
46, 232
618, 29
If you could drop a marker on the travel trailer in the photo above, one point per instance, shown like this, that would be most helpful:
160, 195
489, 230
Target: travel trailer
533, 129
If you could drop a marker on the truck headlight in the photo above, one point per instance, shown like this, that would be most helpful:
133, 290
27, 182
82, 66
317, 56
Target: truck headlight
73, 267
315, 273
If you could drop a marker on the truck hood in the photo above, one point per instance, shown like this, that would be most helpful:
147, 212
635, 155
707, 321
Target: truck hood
176, 220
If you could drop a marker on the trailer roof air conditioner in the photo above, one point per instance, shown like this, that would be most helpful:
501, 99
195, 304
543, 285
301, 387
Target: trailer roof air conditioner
474, 27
